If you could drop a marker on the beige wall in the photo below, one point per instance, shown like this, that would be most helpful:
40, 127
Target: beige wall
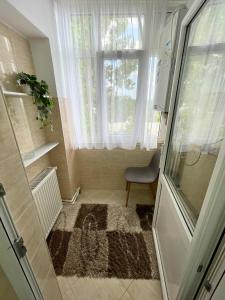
6, 290
104, 169
15, 56
23, 210
58, 156
71, 154
194, 180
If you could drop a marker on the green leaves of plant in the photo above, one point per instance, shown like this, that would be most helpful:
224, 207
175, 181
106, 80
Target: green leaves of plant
40, 94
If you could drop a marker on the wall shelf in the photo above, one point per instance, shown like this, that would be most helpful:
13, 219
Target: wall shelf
29, 156
38, 153
15, 94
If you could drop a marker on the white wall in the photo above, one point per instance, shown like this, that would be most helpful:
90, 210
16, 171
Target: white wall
39, 13
16, 20
43, 63
39, 16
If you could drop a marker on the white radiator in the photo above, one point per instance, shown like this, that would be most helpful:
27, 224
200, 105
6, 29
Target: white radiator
47, 197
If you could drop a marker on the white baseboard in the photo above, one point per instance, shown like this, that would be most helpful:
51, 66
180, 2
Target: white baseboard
75, 196
161, 273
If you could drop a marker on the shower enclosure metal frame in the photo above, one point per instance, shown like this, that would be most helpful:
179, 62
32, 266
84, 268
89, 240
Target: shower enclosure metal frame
20, 262
204, 237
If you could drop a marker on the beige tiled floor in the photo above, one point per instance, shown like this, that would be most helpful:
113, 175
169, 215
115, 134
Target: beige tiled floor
74, 288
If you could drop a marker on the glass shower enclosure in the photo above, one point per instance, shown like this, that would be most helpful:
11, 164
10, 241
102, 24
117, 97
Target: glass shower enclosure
199, 124
195, 139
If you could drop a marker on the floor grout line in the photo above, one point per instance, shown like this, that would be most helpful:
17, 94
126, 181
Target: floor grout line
122, 295
127, 289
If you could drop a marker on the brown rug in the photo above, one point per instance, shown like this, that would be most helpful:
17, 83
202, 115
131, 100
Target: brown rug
98, 240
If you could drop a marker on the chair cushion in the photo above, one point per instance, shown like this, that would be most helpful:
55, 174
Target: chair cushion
140, 174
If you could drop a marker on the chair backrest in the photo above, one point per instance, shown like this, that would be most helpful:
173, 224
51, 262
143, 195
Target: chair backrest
154, 163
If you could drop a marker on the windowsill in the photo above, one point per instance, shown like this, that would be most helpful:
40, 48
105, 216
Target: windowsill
159, 144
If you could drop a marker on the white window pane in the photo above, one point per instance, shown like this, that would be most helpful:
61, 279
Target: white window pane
121, 77
121, 32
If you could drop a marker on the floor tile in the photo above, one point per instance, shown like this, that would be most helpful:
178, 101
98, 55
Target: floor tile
98, 289
126, 296
126, 282
66, 286
145, 290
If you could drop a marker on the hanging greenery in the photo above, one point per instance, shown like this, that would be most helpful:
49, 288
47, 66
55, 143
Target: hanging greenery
39, 91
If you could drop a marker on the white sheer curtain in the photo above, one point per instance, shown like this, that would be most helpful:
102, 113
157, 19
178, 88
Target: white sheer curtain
108, 55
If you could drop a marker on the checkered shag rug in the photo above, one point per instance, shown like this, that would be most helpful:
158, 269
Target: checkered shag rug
104, 241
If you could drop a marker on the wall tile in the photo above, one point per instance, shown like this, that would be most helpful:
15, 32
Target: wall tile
18, 195
6, 290
51, 290
15, 56
104, 169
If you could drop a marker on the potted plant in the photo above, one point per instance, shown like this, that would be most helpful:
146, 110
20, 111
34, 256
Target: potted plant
41, 98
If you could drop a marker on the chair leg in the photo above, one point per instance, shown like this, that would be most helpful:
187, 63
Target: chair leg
128, 192
127, 186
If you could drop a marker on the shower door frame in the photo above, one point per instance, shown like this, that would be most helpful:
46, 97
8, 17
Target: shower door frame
13, 235
205, 236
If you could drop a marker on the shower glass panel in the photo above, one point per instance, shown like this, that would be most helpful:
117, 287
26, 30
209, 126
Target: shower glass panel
199, 123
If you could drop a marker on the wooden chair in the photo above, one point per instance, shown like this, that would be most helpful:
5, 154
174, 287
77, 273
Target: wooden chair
143, 175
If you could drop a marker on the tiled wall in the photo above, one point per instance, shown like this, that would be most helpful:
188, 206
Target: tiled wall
194, 179
104, 169
6, 290
23, 210
15, 56
58, 156
71, 154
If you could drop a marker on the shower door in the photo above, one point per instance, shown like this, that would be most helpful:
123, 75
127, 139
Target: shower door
17, 281
194, 139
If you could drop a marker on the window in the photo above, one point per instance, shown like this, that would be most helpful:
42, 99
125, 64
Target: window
118, 66
109, 69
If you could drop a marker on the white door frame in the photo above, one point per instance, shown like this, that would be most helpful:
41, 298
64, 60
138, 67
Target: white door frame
211, 220
13, 235
215, 273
